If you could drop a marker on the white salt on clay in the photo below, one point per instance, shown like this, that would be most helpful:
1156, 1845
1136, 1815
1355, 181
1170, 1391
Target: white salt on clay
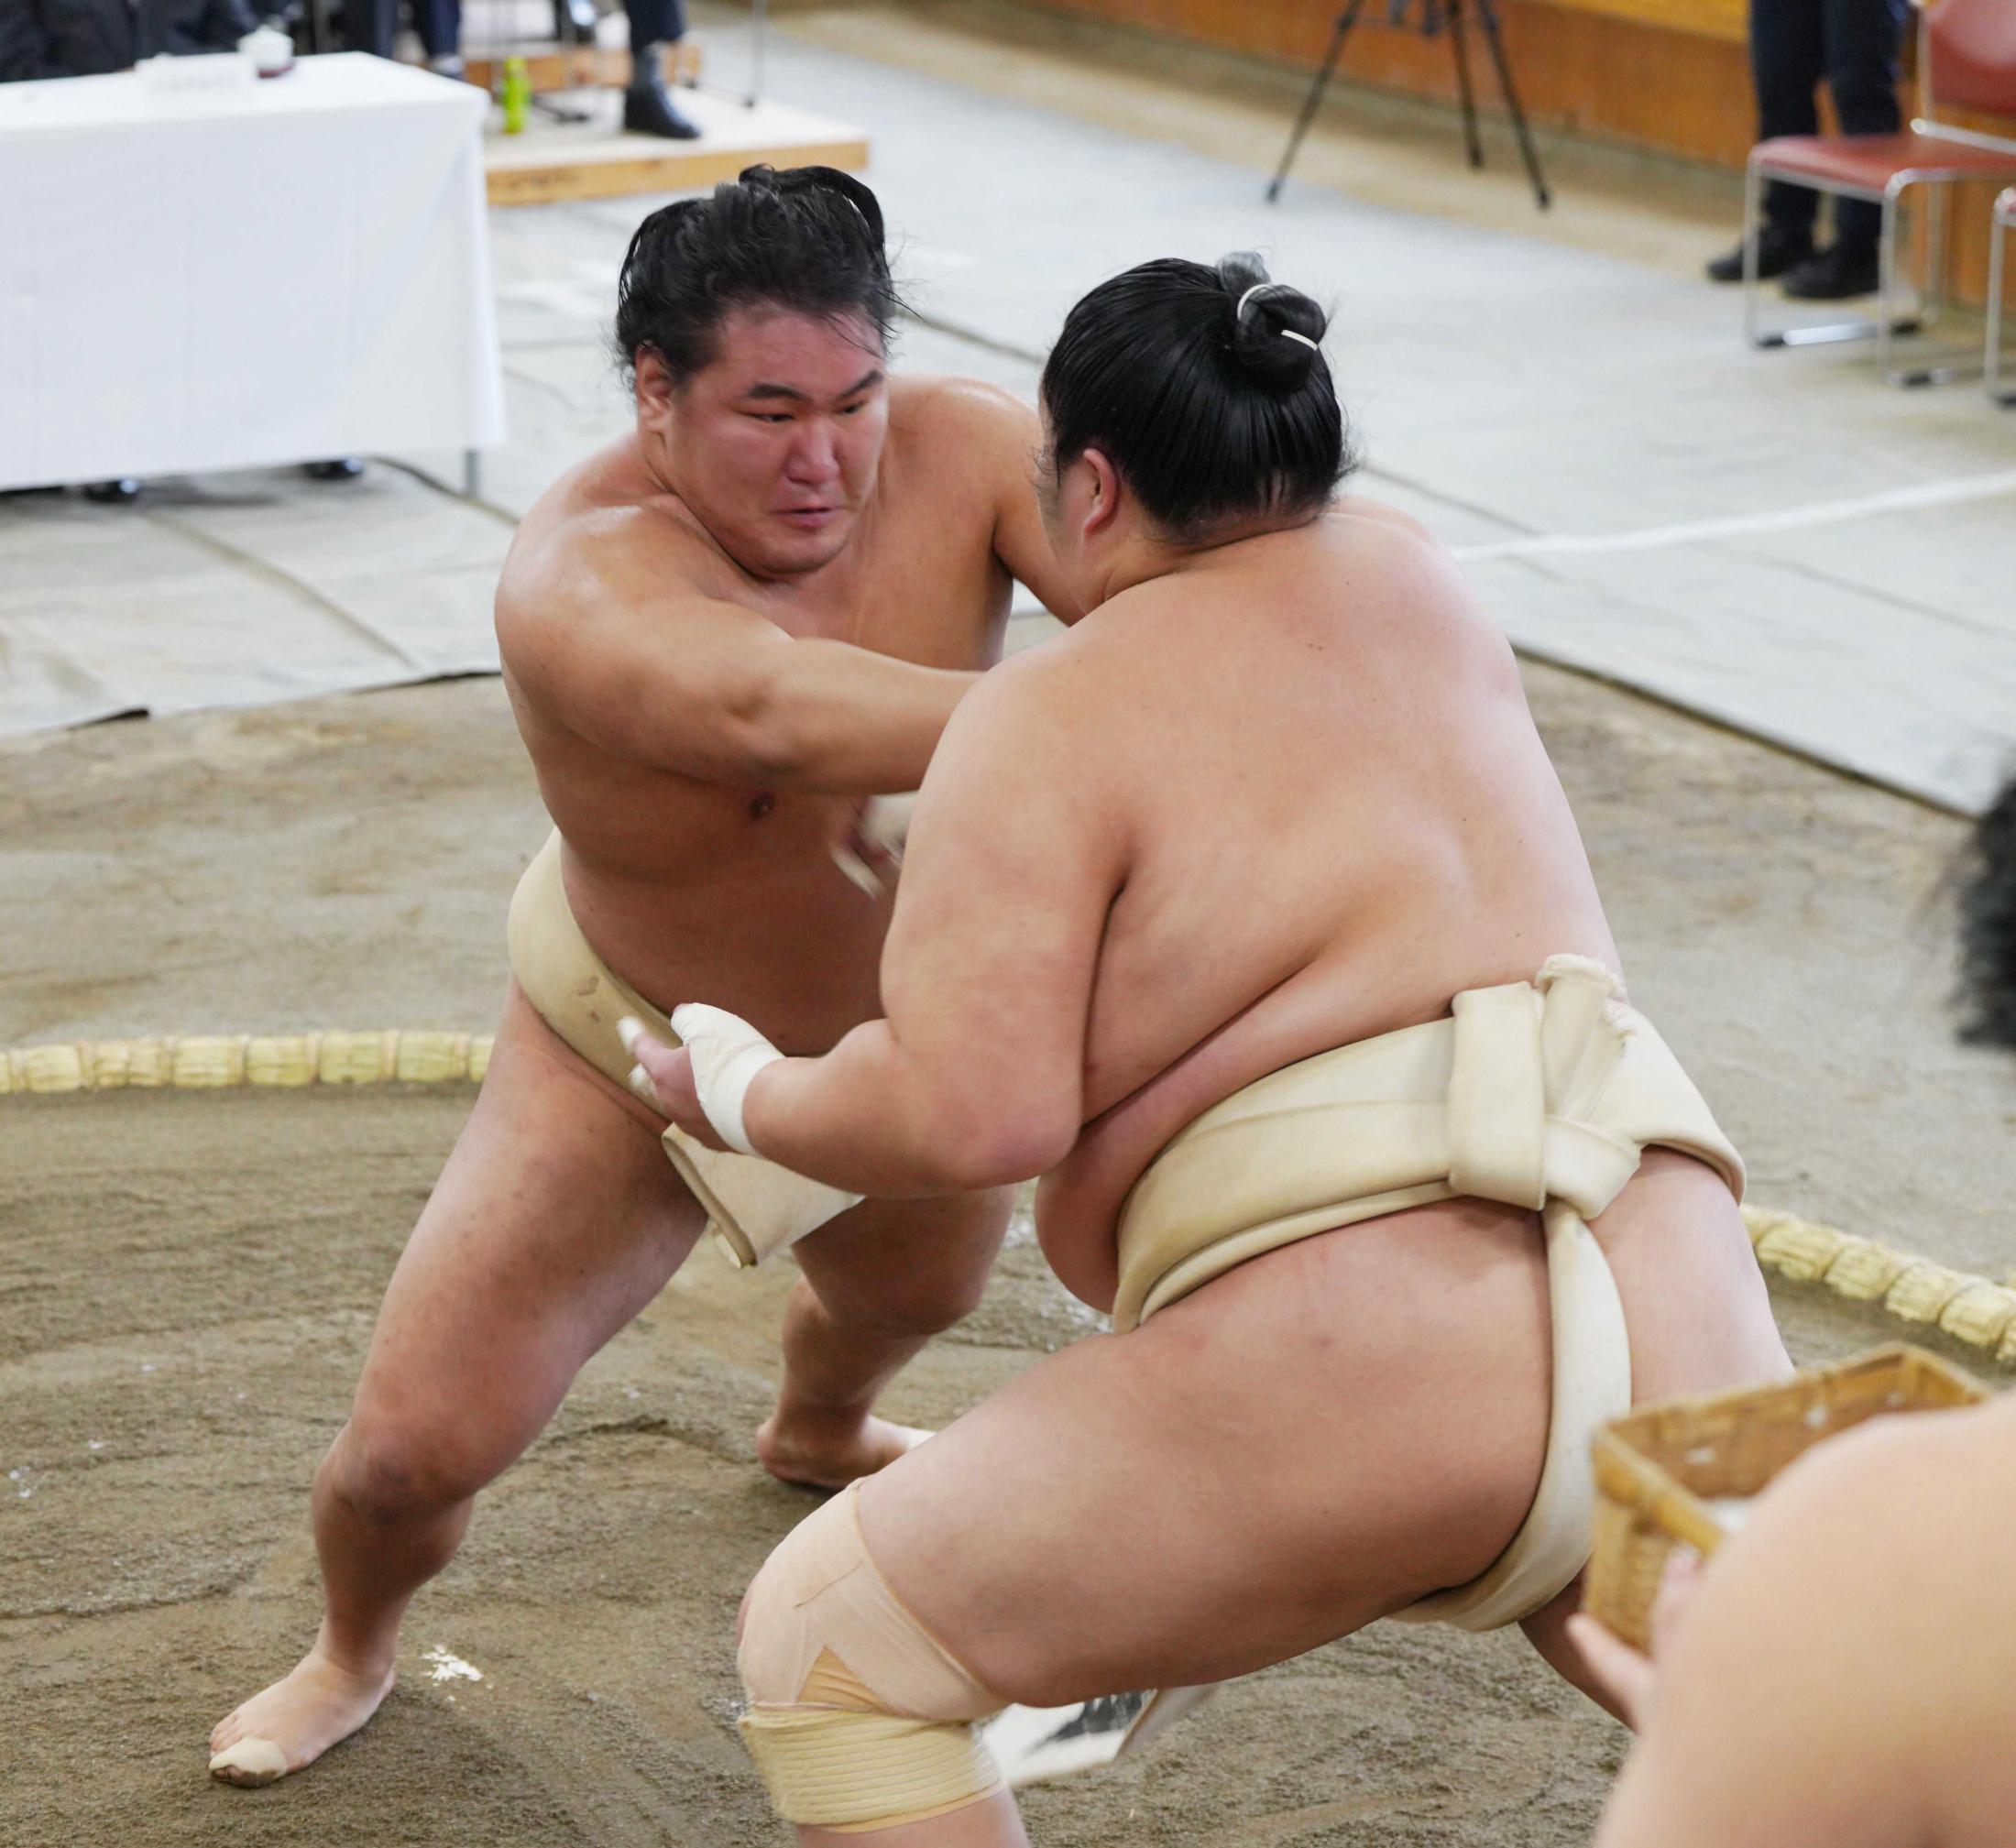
449, 1667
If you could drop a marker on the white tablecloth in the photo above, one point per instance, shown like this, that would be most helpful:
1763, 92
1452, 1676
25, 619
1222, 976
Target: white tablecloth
275, 272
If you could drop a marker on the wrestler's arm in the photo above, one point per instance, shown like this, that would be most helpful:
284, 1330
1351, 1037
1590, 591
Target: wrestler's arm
655, 672
975, 1078
1783, 1713
1010, 435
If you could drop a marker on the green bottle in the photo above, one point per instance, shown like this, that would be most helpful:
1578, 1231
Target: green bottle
518, 95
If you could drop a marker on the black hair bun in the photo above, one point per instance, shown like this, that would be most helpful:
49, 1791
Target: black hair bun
1276, 332
828, 180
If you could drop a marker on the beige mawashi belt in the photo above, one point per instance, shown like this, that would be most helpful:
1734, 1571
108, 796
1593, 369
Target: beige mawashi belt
1541, 1095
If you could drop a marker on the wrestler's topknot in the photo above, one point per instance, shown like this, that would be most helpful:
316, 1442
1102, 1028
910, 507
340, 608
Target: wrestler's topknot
1206, 387
1988, 927
808, 239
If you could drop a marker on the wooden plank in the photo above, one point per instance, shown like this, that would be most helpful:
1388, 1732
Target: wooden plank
552, 162
684, 167
554, 66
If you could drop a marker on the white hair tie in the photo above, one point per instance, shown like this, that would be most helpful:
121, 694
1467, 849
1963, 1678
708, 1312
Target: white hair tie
1239, 314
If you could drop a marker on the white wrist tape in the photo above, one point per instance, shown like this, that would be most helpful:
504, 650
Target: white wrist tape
883, 827
727, 1053
885, 821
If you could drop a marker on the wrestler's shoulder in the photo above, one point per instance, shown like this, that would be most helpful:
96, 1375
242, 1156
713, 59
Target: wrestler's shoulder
1377, 517
940, 411
580, 557
1392, 558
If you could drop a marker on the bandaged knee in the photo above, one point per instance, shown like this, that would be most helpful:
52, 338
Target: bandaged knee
859, 1717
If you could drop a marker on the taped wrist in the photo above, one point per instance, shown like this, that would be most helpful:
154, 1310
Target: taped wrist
727, 1053
859, 1717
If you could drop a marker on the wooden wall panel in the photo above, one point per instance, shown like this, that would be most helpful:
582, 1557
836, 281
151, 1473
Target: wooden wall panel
1708, 19
1968, 209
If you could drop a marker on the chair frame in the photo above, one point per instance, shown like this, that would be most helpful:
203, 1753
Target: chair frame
2000, 224
1888, 323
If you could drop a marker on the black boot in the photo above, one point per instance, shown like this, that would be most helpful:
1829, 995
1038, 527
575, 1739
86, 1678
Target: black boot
648, 107
1777, 251
1835, 273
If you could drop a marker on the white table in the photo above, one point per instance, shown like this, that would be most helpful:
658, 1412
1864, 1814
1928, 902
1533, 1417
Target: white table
280, 271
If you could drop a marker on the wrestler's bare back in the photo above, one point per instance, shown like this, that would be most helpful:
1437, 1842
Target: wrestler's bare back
1363, 822
689, 886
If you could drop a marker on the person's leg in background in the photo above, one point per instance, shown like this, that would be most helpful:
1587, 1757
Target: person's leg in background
1863, 39
439, 24
574, 21
370, 25
648, 107
1788, 55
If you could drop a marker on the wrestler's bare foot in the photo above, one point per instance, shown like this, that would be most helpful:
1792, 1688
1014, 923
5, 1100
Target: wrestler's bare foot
295, 1720
819, 1453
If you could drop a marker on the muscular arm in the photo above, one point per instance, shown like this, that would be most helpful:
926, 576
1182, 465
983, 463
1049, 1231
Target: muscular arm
652, 672
1007, 435
976, 1075
1806, 1696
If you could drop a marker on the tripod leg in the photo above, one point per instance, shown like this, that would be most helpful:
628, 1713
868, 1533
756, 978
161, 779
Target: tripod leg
1488, 16
1457, 45
1346, 21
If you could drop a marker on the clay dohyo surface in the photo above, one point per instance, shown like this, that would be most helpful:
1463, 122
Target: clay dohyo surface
189, 1281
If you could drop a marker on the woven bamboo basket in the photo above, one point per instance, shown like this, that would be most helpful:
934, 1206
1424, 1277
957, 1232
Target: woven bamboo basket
1660, 1471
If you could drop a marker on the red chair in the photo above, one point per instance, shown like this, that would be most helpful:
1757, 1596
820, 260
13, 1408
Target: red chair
1967, 60
2005, 216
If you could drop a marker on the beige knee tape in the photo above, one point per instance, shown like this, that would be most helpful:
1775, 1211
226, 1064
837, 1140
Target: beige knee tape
858, 1717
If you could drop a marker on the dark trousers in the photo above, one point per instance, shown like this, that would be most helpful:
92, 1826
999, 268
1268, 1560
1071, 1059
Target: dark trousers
653, 22
1853, 45
373, 25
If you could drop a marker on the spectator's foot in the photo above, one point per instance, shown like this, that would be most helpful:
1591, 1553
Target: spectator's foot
575, 20
448, 64
338, 468
1834, 274
1777, 251
648, 107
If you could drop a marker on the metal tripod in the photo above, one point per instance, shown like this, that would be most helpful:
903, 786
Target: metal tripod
1435, 14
